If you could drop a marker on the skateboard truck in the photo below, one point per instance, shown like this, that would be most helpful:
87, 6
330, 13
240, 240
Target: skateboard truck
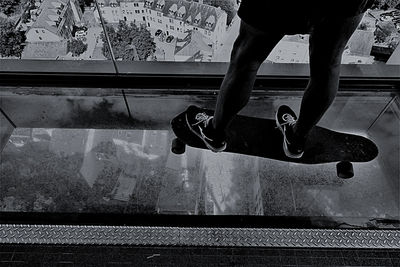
345, 169
178, 147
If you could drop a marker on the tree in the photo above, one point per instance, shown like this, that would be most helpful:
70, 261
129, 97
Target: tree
393, 42
380, 36
8, 6
32, 171
386, 4
82, 5
88, 2
363, 26
77, 47
384, 30
391, 4
25, 17
129, 42
11, 40
226, 5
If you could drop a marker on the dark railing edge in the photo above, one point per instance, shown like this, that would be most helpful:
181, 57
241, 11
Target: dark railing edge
183, 82
182, 68
185, 75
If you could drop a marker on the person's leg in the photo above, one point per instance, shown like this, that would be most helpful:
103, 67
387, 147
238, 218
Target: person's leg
327, 43
250, 49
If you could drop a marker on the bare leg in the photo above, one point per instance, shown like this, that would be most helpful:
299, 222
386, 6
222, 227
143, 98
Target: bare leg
250, 50
327, 43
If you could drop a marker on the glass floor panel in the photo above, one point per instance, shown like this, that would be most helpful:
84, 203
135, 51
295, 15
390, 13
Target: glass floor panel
88, 154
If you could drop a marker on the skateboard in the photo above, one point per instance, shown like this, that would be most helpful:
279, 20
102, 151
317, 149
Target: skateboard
261, 138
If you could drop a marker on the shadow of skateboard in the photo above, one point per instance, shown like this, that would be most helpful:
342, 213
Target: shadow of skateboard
260, 137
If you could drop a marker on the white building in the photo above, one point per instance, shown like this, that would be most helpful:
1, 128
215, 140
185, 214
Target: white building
291, 49
173, 17
53, 20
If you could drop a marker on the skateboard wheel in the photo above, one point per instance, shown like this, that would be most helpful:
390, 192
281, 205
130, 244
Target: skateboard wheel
178, 147
345, 169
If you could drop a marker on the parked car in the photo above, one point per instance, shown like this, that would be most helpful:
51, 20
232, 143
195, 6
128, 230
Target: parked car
169, 39
158, 32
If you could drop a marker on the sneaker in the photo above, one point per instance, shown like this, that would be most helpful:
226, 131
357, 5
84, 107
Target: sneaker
285, 120
200, 123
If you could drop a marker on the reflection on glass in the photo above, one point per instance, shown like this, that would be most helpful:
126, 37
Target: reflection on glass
133, 171
50, 29
83, 170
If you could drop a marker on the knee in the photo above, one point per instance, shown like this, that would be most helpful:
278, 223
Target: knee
243, 58
243, 64
323, 89
325, 72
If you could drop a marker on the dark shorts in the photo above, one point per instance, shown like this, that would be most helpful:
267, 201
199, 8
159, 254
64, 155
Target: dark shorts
297, 16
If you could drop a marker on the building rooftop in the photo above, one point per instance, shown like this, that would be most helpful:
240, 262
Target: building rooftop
191, 44
44, 50
193, 13
361, 42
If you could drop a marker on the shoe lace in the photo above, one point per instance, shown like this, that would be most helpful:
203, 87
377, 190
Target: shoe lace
289, 119
202, 118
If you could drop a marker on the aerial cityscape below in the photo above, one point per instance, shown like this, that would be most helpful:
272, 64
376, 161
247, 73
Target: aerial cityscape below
167, 30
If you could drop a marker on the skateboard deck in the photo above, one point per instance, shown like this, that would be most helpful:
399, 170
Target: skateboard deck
261, 138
